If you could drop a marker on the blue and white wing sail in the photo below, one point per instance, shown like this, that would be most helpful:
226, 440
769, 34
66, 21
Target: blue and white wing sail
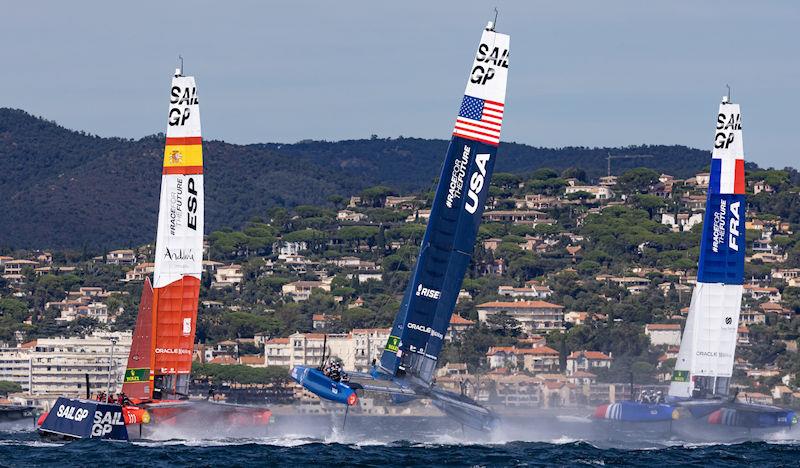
705, 360
418, 332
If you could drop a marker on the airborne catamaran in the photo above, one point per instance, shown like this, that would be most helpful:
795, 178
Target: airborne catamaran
702, 376
407, 366
161, 352
699, 393
160, 360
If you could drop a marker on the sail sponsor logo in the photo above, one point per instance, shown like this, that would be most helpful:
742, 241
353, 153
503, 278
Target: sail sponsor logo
733, 227
137, 375
104, 422
490, 57
457, 177
428, 292
393, 344
72, 413
476, 182
680, 376
712, 354
181, 98
178, 351
187, 326
179, 254
726, 125
425, 329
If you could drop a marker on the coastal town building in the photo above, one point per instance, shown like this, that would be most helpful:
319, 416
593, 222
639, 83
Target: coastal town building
533, 316
663, 334
587, 361
58, 366
228, 275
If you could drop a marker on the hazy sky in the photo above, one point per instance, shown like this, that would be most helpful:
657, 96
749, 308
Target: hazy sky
582, 73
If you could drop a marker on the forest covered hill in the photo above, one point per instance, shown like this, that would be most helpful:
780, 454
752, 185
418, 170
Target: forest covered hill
61, 188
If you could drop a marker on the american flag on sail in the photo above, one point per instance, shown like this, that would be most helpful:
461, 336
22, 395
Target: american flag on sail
479, 120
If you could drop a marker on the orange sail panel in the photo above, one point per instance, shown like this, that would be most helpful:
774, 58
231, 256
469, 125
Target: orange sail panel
175, 326
139, 374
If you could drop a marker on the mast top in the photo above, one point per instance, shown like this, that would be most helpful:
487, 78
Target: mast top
179, 70
727, 98
492, 24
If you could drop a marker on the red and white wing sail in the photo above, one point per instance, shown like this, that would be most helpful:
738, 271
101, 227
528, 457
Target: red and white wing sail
179, 243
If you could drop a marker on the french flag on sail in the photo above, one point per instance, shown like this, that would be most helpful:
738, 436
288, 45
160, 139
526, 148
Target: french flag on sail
727, 176
479, 120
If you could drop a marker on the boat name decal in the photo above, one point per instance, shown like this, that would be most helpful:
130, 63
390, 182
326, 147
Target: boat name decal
476, 182
191, 204
733, 230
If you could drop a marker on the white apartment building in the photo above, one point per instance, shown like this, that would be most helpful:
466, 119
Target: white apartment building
228, 275
58, 366
599, 192
533, 316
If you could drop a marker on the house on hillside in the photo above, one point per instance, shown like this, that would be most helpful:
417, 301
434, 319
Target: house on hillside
533, 316
587, 361
663, 334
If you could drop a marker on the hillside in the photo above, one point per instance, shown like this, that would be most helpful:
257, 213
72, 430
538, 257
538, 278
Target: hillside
69, 189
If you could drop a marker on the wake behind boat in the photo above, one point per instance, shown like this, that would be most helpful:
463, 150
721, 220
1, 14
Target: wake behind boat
407, 365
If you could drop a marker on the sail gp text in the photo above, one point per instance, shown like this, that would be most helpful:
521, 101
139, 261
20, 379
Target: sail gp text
104, 422
718, 236
489, 58
182, 98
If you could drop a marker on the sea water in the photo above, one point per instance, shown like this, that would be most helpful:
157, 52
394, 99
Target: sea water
391, 442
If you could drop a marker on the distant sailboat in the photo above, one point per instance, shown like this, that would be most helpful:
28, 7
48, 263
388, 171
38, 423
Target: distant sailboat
407, 365
699, 397
705, 361
701, 381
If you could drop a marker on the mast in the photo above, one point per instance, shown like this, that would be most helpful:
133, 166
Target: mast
418, 331
705, 360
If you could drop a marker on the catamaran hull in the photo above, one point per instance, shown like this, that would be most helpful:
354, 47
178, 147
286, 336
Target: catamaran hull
323, 386
202, 419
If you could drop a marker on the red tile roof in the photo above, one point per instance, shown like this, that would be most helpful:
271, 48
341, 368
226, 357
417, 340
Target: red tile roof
589, 355
456, 319
521, 305
663, 326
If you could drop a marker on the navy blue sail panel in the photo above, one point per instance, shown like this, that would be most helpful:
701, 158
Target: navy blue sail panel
418, 332
722, 246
